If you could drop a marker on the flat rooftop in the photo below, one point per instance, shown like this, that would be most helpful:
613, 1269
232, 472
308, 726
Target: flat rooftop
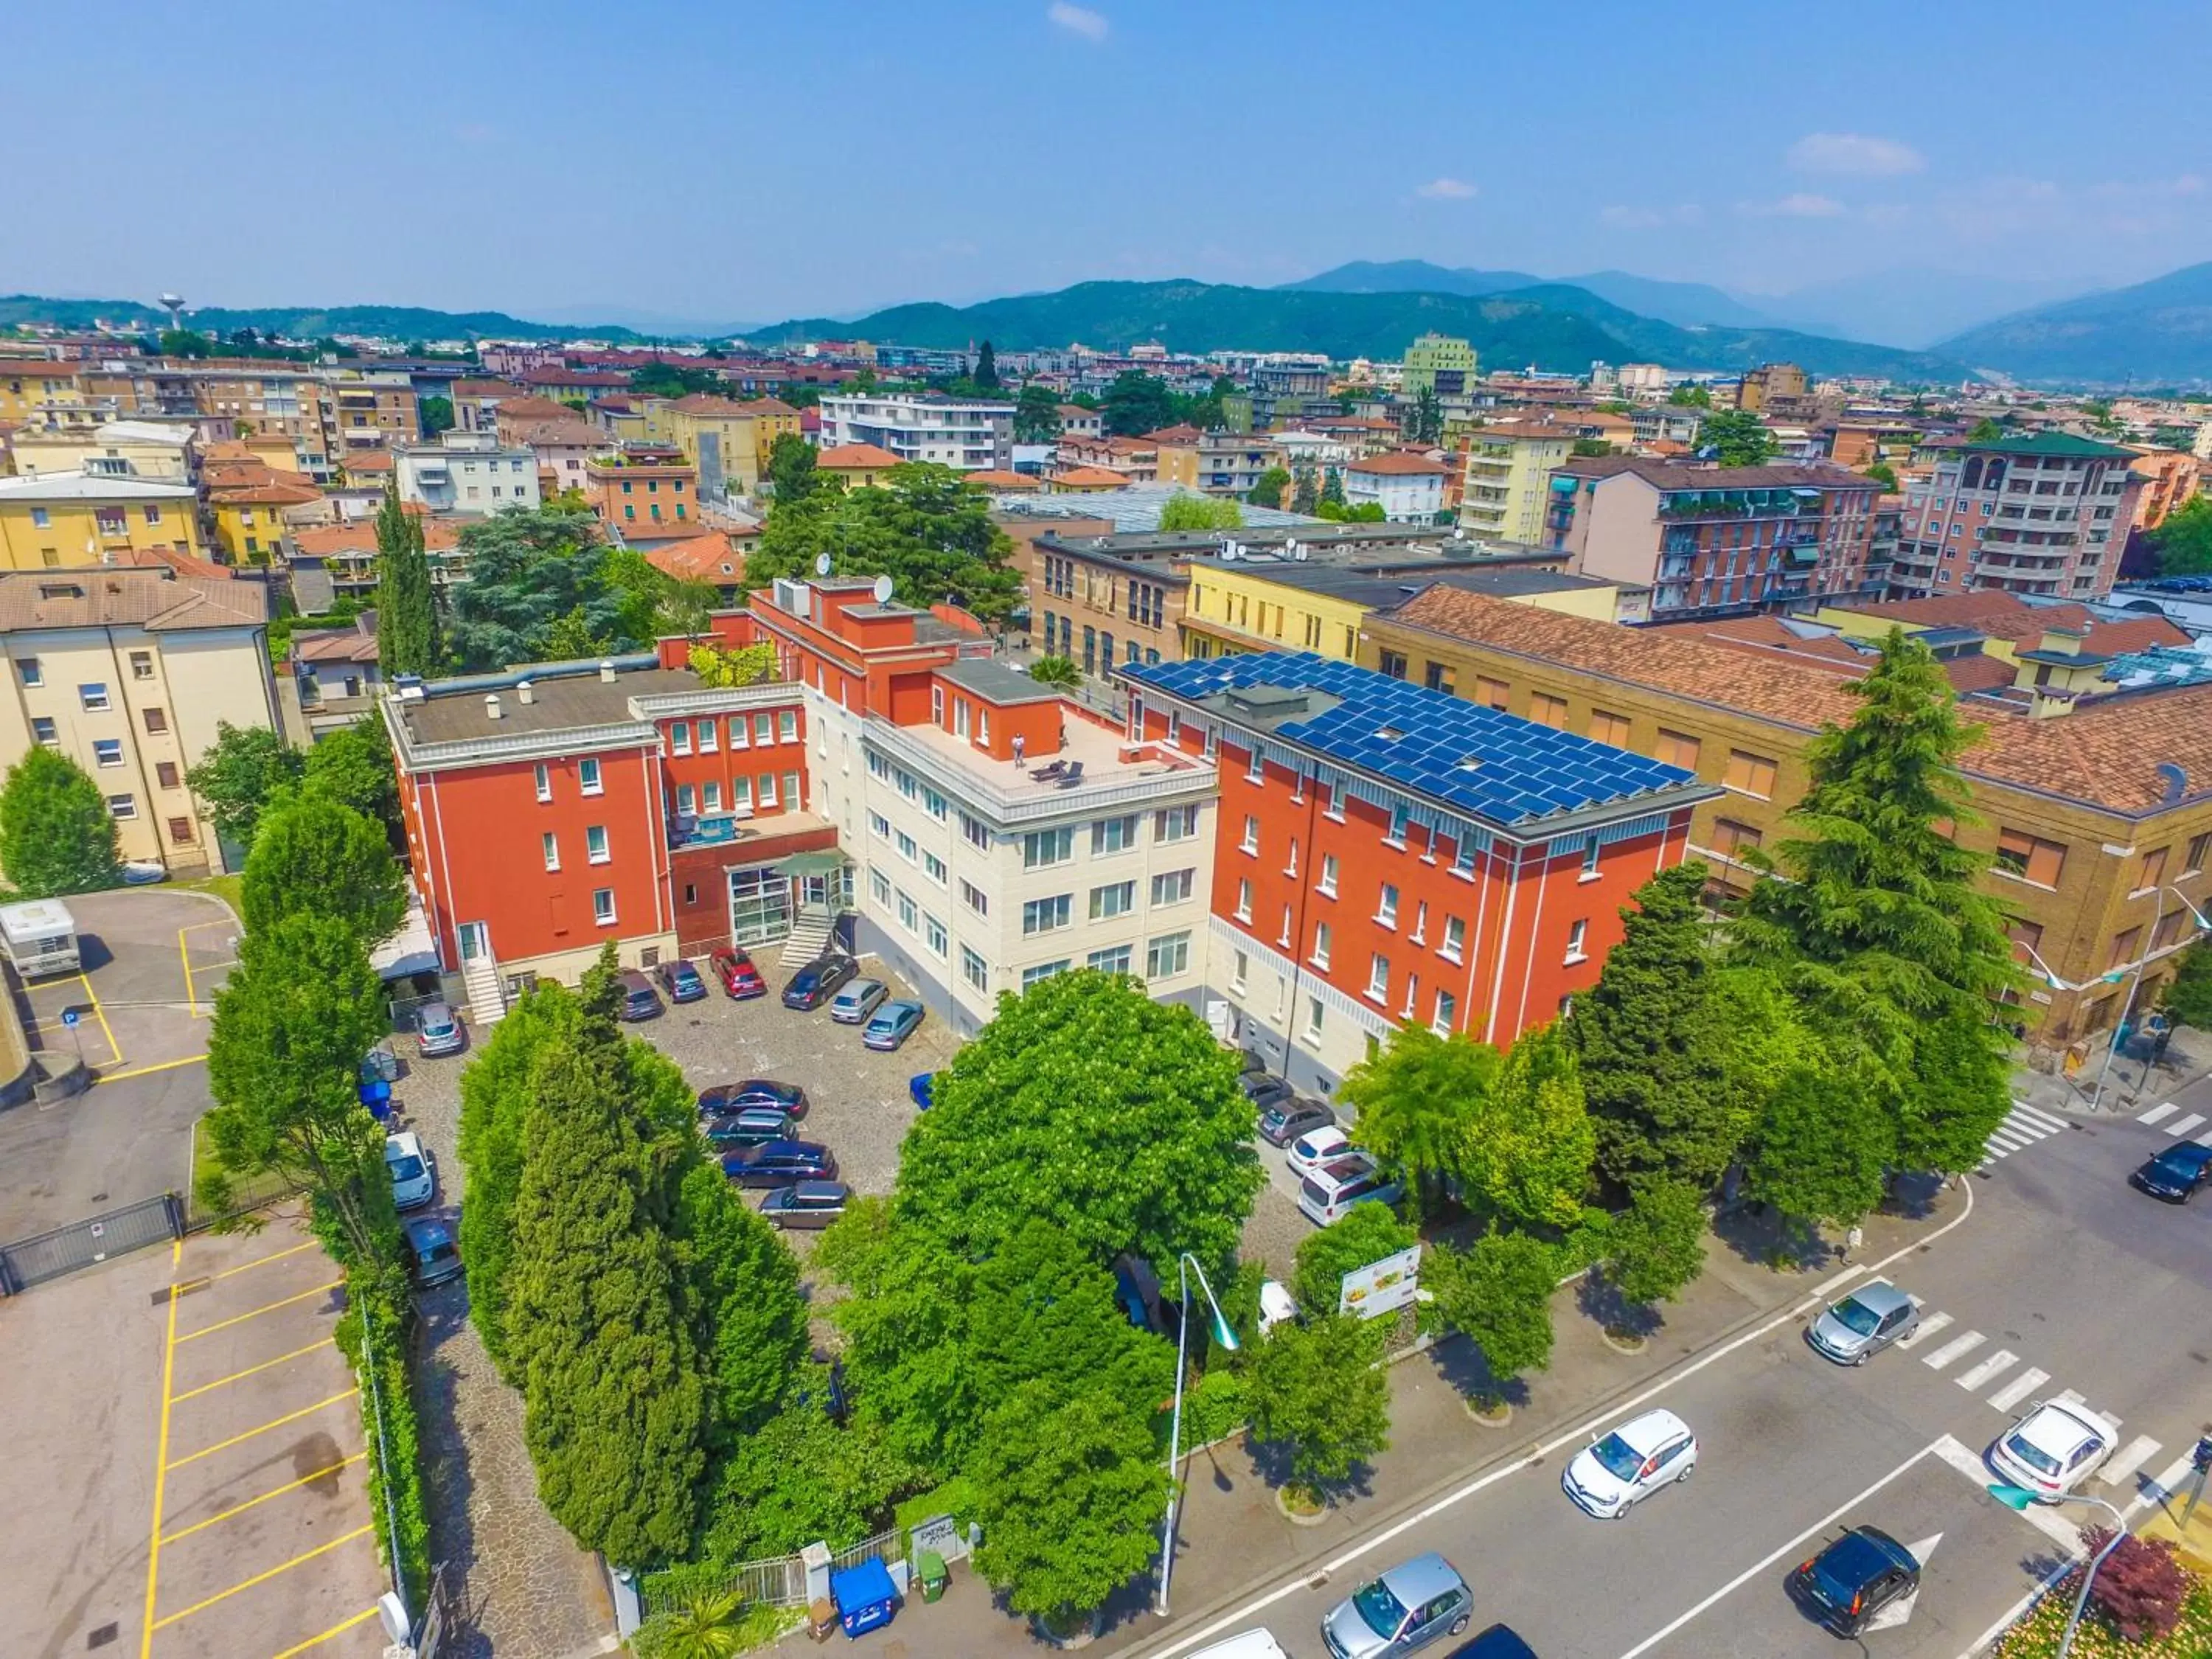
452, 711
1108, 758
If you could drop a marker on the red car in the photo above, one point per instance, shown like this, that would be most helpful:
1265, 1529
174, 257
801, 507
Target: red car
740, 979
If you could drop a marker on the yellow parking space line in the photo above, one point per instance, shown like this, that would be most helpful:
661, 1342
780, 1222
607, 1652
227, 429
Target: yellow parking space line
273, 1256
190, 1001
266, 1307
335, 1630
100, 1014
263, 1577
251, 1370
164, 1065
160, 1462
275, 1423
238, 1509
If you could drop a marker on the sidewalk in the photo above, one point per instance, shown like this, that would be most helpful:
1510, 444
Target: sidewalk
2194, 1538
2133, 1083
1234, 1542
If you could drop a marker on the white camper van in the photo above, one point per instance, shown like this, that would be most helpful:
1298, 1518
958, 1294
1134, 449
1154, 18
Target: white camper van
39, 936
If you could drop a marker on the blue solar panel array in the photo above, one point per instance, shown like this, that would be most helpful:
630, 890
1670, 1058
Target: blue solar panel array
1422, 740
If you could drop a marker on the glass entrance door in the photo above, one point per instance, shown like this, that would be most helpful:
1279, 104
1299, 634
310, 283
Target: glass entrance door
759, 905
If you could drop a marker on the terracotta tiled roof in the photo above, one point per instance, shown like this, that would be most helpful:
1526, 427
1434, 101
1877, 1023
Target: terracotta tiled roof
767, 406
1184, 435
366, 460
269, 491
332, 540
709, 558
514, 409
2104, 754
1088, 477
706, 402
1521, 429
486, 389
335, 645
1664, 474
182, 564
2006, 617
1398, 463
569, 433
997, 479
855, 458
154, 599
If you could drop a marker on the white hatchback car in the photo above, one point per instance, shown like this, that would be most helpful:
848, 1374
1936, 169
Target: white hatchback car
1316, 1147
2051, 1447
412, 1181
1611, 1476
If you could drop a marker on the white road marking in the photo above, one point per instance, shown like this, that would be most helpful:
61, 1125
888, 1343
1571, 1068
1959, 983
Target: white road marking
1917, 1301
1760, 1566
1929, 1326
1998, 1363
1951, 1350
2183, 1126
2044, 1517
2164, 1110
2018, 1389
2013, 1140
2036, 1115
2129, 1458
1993, 1153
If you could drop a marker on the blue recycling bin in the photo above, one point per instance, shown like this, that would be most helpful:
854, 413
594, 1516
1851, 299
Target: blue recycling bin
865, 1597
376, 1095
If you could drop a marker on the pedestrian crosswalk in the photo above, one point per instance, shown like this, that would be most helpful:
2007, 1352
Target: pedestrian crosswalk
2023, 1126
2189, 1123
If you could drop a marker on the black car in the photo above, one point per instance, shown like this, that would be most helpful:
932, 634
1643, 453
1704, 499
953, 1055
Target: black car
1854, 1579
638, 999
816, 983
754, 1126
1287, 1119
1264, 1090
1496, 1642
2176, 1173
726, 1097
780, 1162
682, 981
1249, 1060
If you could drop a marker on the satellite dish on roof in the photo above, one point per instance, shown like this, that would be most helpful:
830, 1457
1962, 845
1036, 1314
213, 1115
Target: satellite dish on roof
821, 564
882, 589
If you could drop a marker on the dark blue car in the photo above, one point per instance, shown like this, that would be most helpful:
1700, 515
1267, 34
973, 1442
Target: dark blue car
780, 1162
682, 981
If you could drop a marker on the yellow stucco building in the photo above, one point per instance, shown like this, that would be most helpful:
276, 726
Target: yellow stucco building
80, 518
1508, 474
721, 435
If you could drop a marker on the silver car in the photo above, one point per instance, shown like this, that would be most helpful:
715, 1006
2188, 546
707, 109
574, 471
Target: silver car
858, 1000
1407, 1608
1852, 1331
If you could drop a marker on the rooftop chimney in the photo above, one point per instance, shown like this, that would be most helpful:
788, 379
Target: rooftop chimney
524, 694
491, 705
2063, 641
607, 670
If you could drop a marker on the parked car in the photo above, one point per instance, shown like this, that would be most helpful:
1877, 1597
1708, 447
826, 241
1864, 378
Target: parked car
1264, 1090
817, 981
1406, 1609
1285, 1120
1854, 1579
852, 1004
2054, 1446
682, 981
638, 999
1249, 1060
413, 1180
806, 1204
433, 1258
1496, 1642
753, 1126
1328, 1192
780, 1162
438, 1030
1245, 1644
1316, 1147
1852, 1331
723, 1098
2176, 1173
893, 1023
1612, 1476
740, 979
922, 1089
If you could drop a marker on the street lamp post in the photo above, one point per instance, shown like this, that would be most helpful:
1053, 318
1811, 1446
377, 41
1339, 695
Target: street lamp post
2135, 985
2020, 1498
1186, 1264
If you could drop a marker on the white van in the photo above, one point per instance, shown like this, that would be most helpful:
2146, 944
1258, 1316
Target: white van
1329, 1191
39, 936
1252, 1644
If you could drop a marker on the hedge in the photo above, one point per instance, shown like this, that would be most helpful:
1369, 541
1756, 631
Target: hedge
394, 1442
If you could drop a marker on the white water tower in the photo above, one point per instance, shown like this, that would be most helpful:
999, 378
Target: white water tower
174, 305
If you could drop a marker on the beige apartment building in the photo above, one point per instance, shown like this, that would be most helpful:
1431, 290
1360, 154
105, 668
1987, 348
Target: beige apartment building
129, 672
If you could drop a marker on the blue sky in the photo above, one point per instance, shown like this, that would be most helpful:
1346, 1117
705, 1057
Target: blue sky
742, 161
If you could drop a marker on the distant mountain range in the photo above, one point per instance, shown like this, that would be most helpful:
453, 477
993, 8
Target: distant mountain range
1686, 305
303, 322
2157, 333
1550, 325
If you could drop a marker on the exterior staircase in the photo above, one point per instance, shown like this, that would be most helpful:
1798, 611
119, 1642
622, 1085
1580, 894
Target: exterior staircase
487, 999
809, 936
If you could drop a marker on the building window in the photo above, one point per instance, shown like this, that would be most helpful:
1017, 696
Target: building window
1492, 694
1320, 945
2030, 858
1577, 934
587, 775
1168, 956
1749, 774
1378, 977
1732, 840
934, 804
768, 789
908, 848
108, 751
1315, 1016
1447, 1013
2153, 871
880, 886
974, 897
1326, 884
1455, 945
1386, 906
1173, 886
1593, 849
550, 845
787, 726
166, 774
1113, 835
123, 806
1240, 969
680, 736
595, 844
2125, 948
544, 780
1678, 748
739, 738
975, 970
603, 906
710, 733
1463, 855
2168, 930
43, 730
686, 799
1042, 915
1393, 663
1244, 900
1043, 848
977, 832
879, 826
93, 697
1251, 841
1042, 971
910, 913
764, 728
28, 669
1437, 677
157, 720
1397, 837
2198, 846
934, 866
1607, 728
181, 831
1117, 899
1175, 823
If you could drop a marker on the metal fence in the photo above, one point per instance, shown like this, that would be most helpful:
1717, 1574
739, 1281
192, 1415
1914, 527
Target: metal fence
888, 1547
779, 1581
32, 1261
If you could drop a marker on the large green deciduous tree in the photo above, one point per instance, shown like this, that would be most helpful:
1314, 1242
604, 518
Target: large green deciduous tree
1036, 415
1417, 1098
242, 770
292, 1023
1137, 403
353, 767
406, 609
57, 836
1529, 1156
1267, 489
1498, 1293
1658, 1246
536, 578
616, 1409
790, 474
799, 1478
1185, 511
1368, 1234
925, 527
2183, 542
748, 1318
1737, 437
2187, 998
315, 855
1089, 1104
1821, 1152
1315, 1386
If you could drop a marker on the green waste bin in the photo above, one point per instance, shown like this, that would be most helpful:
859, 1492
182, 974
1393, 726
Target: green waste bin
929, 1572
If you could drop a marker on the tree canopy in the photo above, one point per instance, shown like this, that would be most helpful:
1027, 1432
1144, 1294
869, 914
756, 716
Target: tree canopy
1736, 437
1137, 403
1185, 511
1497, 1292
313, 853
2183, 542
1036, 415
923, 526
1315, 1386
353, 767
57, 836
1267, 489
407, 640
790, 473
538, 589
243, 768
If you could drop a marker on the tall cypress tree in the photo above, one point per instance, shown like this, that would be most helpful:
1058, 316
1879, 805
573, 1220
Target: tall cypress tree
406, 613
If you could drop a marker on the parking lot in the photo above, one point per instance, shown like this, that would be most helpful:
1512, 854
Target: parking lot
153, 962
185, 1477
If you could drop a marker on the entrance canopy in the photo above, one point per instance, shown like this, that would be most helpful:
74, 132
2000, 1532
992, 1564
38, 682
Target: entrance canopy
810, 864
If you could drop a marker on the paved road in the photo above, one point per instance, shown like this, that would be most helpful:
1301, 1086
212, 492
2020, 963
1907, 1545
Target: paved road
2063, 1279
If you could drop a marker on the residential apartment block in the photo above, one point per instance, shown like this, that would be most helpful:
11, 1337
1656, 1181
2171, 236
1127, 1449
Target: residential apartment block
1390, 854
632, 493
2043, 513
1409, 488
968, 435
129, 672
729, 441
67, 519
466, 472
1439, 364
1507, 474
